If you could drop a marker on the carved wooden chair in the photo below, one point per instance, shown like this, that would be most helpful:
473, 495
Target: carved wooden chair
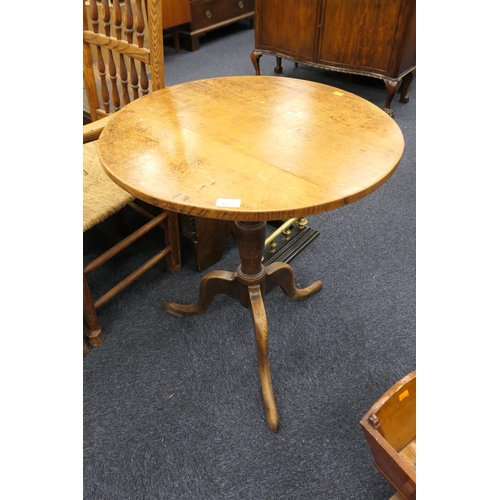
125, 41
122, 52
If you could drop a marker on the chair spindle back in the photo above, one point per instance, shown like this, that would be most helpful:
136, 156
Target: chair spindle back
122, 40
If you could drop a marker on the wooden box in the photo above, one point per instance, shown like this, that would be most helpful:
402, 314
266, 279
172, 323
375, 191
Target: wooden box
390, 430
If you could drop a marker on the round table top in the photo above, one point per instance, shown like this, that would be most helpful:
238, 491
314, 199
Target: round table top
250, 148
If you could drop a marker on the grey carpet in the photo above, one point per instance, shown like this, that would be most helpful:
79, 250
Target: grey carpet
172, 406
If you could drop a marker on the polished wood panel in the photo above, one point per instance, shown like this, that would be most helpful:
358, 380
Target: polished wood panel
289, 31
364, 40
175, 12
202, 230
282, 147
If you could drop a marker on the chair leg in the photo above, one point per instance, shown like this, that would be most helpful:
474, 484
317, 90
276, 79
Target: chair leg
120, 222
172, 238
94, 333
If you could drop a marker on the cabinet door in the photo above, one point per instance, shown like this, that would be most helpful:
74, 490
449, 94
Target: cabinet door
361, 35
288, 27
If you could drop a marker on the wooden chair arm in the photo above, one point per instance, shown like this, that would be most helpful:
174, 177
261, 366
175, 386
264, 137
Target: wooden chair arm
93, 130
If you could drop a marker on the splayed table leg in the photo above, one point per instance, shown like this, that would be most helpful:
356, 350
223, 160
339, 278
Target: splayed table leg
249, 284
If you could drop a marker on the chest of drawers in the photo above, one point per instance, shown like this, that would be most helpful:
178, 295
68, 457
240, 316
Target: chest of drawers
207, 15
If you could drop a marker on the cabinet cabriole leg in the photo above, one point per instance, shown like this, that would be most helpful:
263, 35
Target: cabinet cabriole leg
405, 87
392, 88
255, 57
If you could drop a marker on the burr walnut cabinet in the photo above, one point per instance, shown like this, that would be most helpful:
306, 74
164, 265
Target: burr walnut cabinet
376, 38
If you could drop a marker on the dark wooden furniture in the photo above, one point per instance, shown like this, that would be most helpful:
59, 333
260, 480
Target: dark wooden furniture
175, 13
223, 147
202, 230
376, 38
208, 15
390, 428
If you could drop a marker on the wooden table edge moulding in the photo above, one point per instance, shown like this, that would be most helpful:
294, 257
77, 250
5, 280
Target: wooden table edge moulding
250, 149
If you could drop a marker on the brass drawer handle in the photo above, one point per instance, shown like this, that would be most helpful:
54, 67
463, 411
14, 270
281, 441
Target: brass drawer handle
208, 13
240, 4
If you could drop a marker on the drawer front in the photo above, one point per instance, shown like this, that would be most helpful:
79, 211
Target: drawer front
205, 13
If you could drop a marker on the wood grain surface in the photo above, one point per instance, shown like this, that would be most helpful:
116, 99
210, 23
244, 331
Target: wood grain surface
262, 148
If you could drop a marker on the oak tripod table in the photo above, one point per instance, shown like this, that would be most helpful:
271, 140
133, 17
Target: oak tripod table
250, 149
